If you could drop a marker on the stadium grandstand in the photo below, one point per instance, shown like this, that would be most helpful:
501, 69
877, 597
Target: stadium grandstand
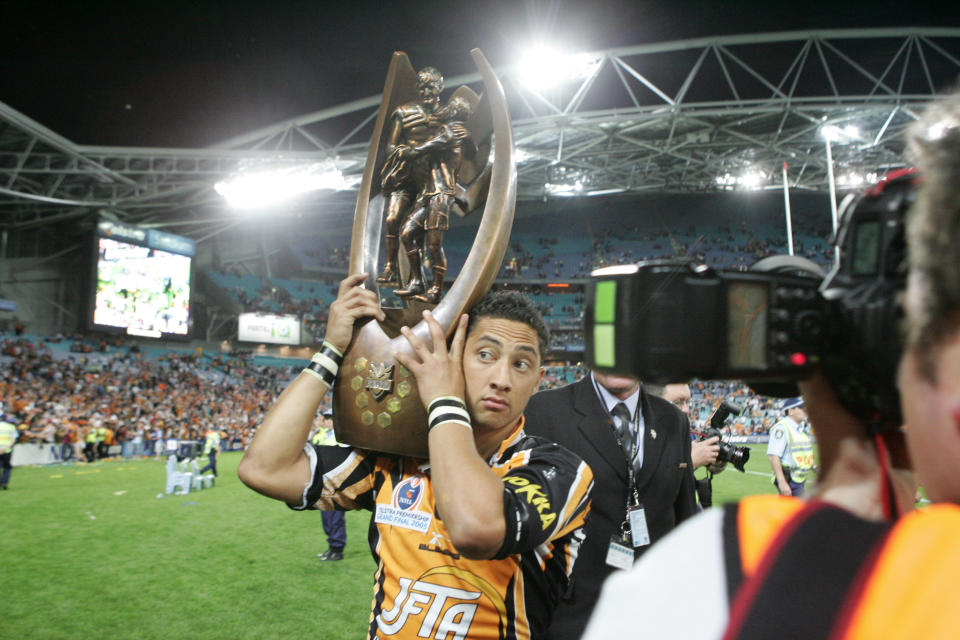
143, 302
617, 181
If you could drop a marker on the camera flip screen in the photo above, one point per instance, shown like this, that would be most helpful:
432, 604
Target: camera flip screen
747, 304
866, 250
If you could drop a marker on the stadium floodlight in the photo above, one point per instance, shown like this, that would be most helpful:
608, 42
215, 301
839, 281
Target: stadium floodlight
726, 181
840, 135
564, 190
261, 187
830, 132
542, 67
752, 179
850, 179
855, 180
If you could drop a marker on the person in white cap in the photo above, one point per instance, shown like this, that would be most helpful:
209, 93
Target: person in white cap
790, 449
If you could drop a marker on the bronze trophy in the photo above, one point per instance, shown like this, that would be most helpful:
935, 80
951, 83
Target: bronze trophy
426, 160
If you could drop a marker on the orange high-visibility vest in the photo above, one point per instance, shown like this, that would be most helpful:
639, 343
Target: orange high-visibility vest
907, 587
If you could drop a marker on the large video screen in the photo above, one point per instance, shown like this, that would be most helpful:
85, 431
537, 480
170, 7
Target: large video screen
141, 289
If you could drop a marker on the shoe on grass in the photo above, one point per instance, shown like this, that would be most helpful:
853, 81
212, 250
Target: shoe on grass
331, 555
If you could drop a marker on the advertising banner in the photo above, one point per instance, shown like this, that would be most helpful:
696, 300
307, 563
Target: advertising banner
268, 328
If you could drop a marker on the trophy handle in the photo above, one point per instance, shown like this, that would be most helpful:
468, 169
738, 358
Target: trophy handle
376, 402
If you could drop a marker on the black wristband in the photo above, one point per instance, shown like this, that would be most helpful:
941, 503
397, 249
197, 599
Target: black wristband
321, 372
325, 364
447, 409
331, 352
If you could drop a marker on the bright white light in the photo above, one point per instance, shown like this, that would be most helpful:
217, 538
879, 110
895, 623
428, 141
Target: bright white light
851, 179
543, 67
606, 192
941, 127
144, 333
752, 179
830, 132
258, 188
616, 270
564, 189
521, 155
855, 180
833, 133
749, 179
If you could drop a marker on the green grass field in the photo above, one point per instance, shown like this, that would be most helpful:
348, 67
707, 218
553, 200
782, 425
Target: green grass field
731, 485
89, 551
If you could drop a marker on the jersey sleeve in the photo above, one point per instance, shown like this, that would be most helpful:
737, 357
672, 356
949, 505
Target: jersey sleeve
545, 498
778, 440
341, 478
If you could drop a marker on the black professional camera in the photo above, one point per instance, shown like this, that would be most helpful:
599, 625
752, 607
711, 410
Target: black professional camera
737, 456
773, 324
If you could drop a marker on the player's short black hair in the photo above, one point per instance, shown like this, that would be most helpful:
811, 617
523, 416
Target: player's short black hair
511, 305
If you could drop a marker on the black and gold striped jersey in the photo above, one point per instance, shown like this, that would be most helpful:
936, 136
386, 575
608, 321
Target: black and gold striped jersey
423, 586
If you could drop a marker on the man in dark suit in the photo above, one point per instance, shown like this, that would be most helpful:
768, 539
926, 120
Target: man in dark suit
598, 419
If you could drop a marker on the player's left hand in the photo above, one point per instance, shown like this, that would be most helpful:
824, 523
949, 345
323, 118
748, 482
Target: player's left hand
438, 370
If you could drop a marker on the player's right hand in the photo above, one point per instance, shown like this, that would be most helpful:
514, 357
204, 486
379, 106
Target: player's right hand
353, 301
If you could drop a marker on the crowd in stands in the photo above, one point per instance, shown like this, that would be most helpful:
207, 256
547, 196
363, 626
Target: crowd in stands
568, 244
561, 246
309, 300
722, 247
758, 415
61, 389
124, 399
133, 402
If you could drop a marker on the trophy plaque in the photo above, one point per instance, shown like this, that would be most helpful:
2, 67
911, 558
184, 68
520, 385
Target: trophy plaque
428, 160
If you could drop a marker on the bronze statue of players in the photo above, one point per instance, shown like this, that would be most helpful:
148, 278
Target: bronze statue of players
425, 149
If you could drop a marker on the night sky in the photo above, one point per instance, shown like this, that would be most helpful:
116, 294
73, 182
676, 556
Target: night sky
176, 74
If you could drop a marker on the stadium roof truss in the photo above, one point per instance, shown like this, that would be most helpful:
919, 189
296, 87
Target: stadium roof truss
702, 115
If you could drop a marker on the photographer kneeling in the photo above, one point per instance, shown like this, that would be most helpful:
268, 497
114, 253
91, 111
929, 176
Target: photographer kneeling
842, 565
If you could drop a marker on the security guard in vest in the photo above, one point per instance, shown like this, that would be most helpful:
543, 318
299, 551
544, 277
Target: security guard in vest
101, 433
8, 437
211, 447
334, 522
790, 449
90, 444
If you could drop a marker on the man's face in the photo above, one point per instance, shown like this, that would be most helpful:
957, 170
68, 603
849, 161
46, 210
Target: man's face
429, 91
797, 414
931, 414
620, 386
501, 370
679, 395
